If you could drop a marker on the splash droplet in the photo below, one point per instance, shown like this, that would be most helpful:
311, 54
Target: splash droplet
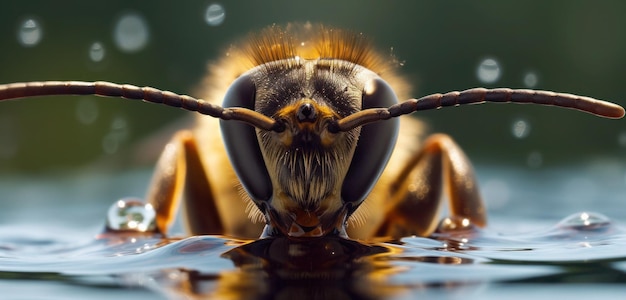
29, 33
520, 128
131, 214
131, 33
96, 52
530, 80
488, 71
215, 14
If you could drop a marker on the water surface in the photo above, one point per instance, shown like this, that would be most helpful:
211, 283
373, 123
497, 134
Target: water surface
551, 233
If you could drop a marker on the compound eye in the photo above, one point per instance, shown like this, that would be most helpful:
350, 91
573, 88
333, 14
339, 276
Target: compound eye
242, 144
374, 147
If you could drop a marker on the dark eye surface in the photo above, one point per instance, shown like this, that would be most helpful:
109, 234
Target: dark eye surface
374, 147
241, 142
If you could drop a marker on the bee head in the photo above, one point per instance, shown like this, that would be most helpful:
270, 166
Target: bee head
304, 177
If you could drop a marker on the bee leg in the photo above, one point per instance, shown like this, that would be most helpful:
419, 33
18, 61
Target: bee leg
180, 171
416, 193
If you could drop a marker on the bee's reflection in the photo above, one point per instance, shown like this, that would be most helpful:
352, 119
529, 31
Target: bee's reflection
325, 268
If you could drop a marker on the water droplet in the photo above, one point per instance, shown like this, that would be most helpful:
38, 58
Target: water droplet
29, 33
585, 221
87, 111
488, 71
534, 159
96, 52
530, 80
131, 214
520, 128
215, 14
131, 33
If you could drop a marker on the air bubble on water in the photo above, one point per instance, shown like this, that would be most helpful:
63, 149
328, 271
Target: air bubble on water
534, 159
215, 14
131, 214
87, 111
488, 71
530, 80
29, 33
131, 33
96, 52
585, 221
520, 128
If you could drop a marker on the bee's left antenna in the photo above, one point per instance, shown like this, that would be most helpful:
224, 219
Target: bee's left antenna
148, 94
477, 96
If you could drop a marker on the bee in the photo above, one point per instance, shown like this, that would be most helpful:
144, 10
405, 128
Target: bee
310, 140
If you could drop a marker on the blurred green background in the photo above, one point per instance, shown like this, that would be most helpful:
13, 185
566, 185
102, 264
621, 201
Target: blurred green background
569, 46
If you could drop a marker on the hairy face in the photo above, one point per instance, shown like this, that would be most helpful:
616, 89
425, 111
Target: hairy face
306, 162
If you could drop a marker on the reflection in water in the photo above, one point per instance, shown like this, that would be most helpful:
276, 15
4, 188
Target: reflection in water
325, 268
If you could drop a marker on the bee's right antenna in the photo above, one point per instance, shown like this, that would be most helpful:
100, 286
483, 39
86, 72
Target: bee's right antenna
148, 94
477, 96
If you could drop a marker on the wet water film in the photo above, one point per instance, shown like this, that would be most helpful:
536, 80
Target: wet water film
56, 241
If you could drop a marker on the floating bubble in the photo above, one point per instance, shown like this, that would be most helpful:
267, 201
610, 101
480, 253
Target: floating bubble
131, 214
488, 71
520, 128
131, 33
530, 80
96, 52
29, 33
87, 111
215, 14
534, 159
